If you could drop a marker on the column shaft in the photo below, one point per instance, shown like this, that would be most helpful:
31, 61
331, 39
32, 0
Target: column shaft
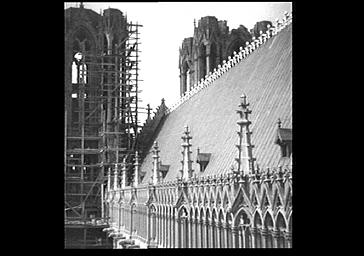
253, 237
218, 242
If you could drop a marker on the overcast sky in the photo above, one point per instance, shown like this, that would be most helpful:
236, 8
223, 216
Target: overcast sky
165, 25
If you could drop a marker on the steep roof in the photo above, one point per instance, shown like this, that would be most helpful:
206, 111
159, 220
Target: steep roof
265, 76
284, 134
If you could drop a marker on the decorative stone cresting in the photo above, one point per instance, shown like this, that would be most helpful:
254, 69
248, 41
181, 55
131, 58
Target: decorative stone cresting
234, 60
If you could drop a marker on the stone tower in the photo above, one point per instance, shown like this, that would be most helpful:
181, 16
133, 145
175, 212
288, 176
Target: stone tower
211, 43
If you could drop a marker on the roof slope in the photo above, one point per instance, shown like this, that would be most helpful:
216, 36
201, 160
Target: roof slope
265, 76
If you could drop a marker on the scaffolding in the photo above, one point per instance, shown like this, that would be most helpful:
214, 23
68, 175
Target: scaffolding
103, 126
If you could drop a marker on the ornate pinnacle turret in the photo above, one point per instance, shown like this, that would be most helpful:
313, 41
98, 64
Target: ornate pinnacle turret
123, 174
186, 162
245, 157
116, 177
155, 163
136, 170
109, 179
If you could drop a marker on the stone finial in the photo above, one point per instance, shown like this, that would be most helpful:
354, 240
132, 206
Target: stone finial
279, 123
136, 170
123, 174
109, 179
268, 32
261, 37
245, 155
116, 177
247, 47
264, 38
155, 163
186, 171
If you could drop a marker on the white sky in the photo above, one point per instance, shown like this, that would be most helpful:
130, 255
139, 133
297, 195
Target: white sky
166, 24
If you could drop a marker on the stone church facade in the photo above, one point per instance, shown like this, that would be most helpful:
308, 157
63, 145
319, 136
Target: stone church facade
211, 44
219, 173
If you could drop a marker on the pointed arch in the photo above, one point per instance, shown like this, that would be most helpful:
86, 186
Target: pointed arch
240, 200
281, 227
221, 216
213, 56
268, 221
242, 217
185, 77
207, 217
214, 214
257, 219
85, 37
201, 228
280, 223
202, 61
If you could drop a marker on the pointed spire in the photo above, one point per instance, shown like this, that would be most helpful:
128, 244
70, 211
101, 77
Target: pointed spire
136, 170
116, 177
123, 174
245, 155
186, 162
109, 179
155, 163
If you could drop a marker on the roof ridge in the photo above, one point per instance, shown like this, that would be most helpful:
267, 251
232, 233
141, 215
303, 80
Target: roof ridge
232, 61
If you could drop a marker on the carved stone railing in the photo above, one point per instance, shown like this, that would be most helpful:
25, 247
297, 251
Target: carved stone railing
234, 59
268, 181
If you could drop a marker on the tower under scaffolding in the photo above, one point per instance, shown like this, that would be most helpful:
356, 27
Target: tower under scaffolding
101, 125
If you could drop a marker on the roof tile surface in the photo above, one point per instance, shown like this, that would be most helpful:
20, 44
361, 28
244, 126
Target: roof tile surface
265, 76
